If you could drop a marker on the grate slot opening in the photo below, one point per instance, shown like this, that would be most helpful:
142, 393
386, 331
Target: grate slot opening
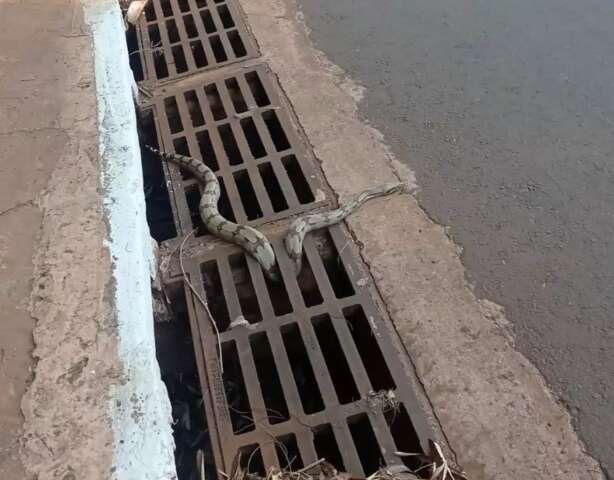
215, 102
248, 195
134, 54
236, 394
230, 144
215, 294
327, 447
245, 288
258, 91
288, 453
308, 285
251, 460
236, 43
368, 348
218, 49
196, 114
253, 138
268, 378
201, 3
192, 196
404, 435
302, 370
184, 6
234, 91
198, 52
280, 140
154, 34
179, 58
179, 371
150, 12
167, 10
160, 64
208, 22
180, 145
157, 199
206, 150
172, 115
173, 32
225, 16
366, 443
335, 360
190, 26
297, 179
273, 188
279, 297
335, 269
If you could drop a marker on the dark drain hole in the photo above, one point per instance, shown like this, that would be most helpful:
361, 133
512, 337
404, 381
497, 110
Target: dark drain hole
251, 460
215, 102
298, 180
173, 33
154, 34
167, 10
234, 91
206, 150
288, 453
404, 435
180, 62
160, 63
276, 130
172, 115
207, 19
180, 145
273, 188
184, 6
253, 138
308, 285
326, 446
175, 353
236, 394
196, 114
150, 13
279, 297
157, 200
366, 443
192, 197
369, 350
200, 59
245, 288
248, 195
302, 370
236, 43
190, 26
230, 145
134, 54
226, 17
218, 49
215, 295
258, 91
268, 378
337, 364
333, 264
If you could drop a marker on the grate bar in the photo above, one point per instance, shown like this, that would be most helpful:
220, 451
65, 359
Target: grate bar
347, 448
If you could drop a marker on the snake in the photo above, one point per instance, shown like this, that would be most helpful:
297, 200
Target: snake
251, 240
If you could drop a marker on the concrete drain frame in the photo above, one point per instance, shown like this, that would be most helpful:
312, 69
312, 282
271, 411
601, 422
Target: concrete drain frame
315, 370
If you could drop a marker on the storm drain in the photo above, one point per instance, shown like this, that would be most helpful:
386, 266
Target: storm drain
177, 38
236, 124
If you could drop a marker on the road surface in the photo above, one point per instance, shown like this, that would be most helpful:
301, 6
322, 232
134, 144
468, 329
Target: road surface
505, 112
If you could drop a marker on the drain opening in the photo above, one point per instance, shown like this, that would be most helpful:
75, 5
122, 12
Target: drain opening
251, 460
308, 285
207, 19
287, 453
172, 115
366, 443
180, 62
276, 130
268, 378
247, 194
207, 153
304, 377
171, 29
335, 360
257, 88
327, 447
190, 26
215, 102
236, 43
218, 49
134, 54
167, 10
253, 138
273, 188
215, 294
194, 108
404, 435
175, 353
298, 180
225, 16
230, 145
236, 96
236, 394
279, 297
198, 53
335, 269
245, 289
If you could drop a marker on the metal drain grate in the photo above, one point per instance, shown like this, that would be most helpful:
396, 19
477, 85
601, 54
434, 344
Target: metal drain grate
301, 372
237, 125
177, 38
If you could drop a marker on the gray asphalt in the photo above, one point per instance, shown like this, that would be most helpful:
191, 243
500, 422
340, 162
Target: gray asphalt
505, 111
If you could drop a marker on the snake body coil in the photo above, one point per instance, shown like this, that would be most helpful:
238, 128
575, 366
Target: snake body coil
248, 238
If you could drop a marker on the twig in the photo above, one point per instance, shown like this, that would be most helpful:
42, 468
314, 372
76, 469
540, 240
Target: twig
311, 465
204, 304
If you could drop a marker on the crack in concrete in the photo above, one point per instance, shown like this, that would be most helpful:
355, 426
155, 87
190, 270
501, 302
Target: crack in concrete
27, 203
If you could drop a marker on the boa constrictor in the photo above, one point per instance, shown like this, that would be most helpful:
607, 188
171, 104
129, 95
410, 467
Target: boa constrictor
250, 239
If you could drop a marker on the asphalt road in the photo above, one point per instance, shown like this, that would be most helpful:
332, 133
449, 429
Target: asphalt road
505, 111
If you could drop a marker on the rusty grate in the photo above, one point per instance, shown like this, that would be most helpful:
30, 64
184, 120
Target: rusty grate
237, 125
178, 38
297, 380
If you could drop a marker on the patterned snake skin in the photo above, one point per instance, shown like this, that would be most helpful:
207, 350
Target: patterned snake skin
250, 239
